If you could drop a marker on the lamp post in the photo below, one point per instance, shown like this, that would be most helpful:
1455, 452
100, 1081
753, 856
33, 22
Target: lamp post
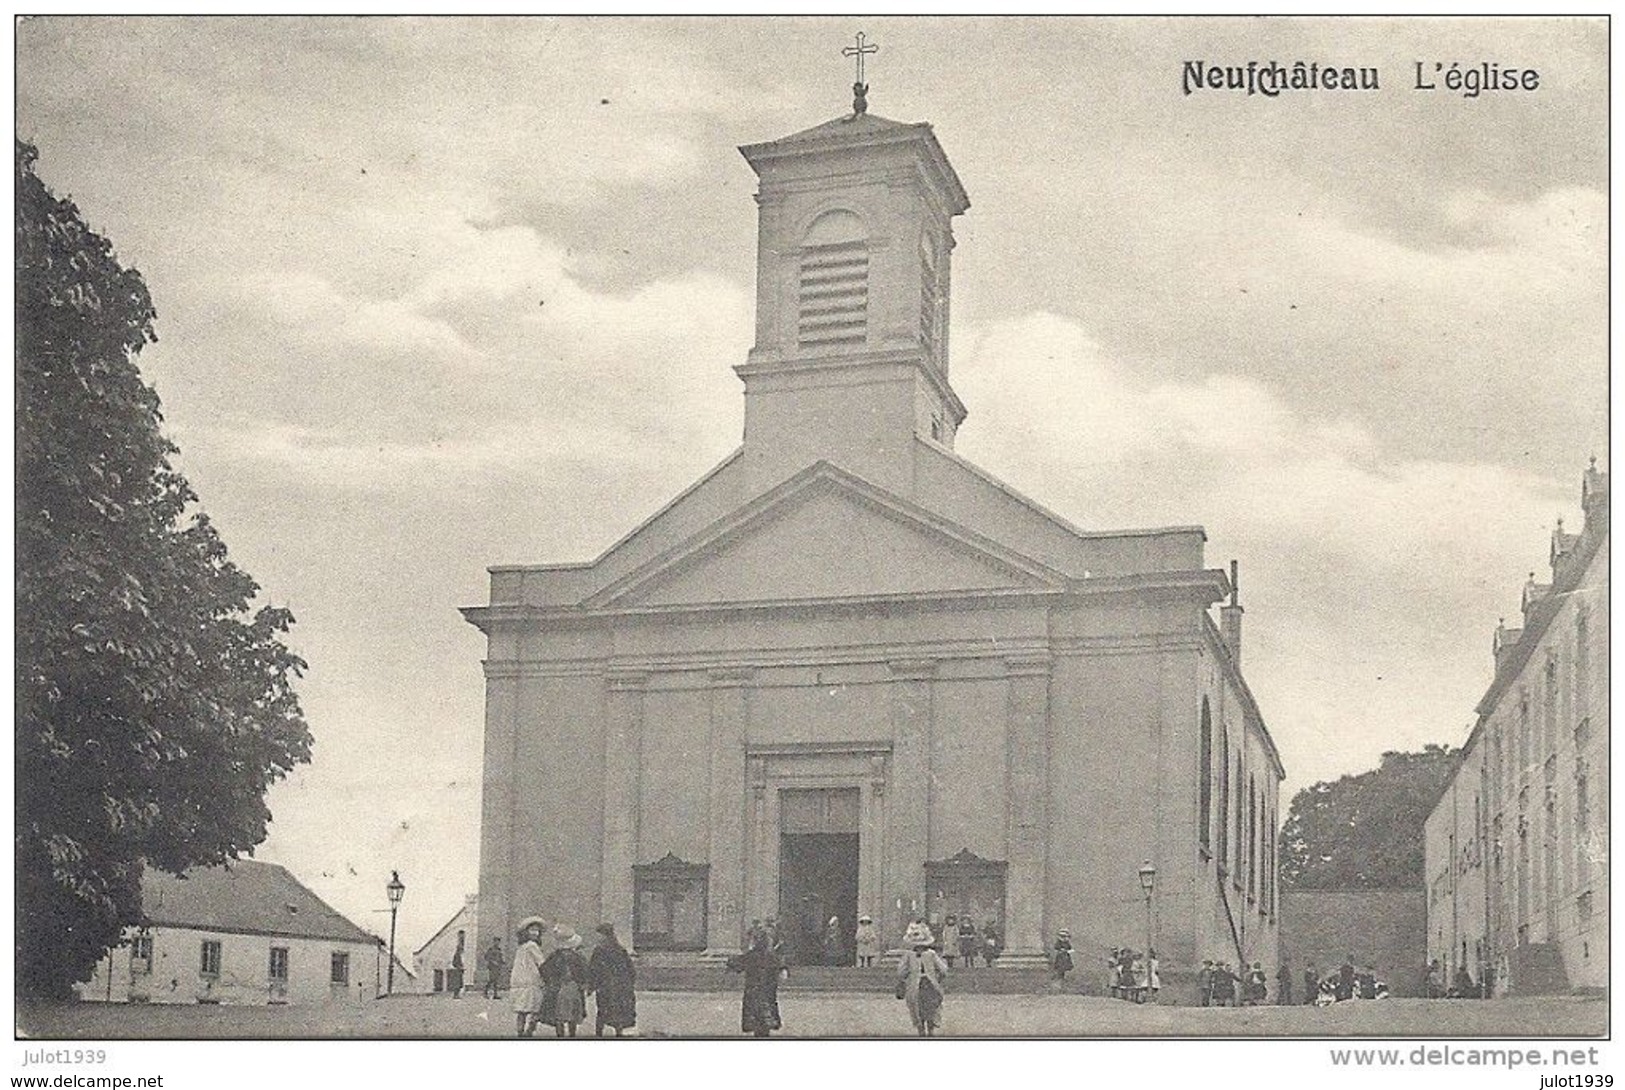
1148, 883
396, 890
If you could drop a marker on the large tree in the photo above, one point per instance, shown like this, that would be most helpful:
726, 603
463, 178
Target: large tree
1365, 831
154, 703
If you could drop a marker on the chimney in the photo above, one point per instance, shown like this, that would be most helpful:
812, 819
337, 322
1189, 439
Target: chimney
1594, 497
1230, 619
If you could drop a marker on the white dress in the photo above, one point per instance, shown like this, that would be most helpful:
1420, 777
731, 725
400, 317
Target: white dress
525, 982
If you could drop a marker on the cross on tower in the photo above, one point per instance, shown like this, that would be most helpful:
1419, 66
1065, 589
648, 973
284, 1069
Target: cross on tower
860, 89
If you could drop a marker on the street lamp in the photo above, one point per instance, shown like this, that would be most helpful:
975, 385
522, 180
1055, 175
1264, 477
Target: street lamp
1148, 883
396, 890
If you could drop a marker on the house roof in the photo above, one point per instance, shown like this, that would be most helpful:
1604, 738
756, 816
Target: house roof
243, 896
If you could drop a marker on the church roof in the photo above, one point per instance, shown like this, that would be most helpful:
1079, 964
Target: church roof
859, 130
243, 896
850, 125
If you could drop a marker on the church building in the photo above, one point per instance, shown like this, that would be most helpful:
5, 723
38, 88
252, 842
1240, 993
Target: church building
849, 673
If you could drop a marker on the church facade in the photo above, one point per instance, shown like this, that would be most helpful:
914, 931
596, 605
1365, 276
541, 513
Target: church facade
849, 673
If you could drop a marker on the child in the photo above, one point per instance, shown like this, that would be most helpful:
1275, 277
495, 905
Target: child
868, 941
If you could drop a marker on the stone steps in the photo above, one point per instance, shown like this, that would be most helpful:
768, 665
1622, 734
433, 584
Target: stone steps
702, 977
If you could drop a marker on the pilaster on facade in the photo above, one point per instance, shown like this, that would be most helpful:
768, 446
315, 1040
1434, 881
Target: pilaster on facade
730, 718
908, 832
623, 744
1026, 800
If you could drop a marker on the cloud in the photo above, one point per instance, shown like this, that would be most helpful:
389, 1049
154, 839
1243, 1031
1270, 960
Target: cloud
1370, 576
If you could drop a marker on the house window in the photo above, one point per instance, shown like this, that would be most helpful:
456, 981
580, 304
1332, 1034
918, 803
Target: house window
1204, 780
1253, 869
1582, 664
210, 965
340, 973
440, 980
1237, 873
141, 954
1223, 823
669, 904
279, 964
1583, 904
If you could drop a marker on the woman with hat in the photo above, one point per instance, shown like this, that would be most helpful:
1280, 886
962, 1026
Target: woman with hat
921, 979
525, 979
564, 983
868, 941
610, 977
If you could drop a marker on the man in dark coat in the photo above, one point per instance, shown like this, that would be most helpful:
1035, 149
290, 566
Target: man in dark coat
496, 964
611, 977
1345, 980
760, 967
1311, 984
1283, 984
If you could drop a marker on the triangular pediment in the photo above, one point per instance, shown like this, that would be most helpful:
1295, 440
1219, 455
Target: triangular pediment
825, 535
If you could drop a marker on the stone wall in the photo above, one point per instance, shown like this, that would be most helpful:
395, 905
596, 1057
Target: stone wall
1386, 928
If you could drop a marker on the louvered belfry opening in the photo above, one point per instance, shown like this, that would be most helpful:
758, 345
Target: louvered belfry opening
834, 295
833, 287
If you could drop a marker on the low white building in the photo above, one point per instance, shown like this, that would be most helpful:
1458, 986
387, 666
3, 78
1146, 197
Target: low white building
243, 933
433, 961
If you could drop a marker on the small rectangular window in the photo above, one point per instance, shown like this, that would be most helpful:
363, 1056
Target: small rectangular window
211, 958
341, 968
279, 963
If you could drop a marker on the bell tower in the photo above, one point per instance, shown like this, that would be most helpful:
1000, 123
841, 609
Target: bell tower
852, 282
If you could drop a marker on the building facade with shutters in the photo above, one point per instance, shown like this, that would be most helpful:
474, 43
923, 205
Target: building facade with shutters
848, 672
1517, 846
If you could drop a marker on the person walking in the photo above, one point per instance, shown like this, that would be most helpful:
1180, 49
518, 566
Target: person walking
612, 979
968, 942
495, 962
1060, 962
922, 979
1344, 990
1204, 983
1433, 986
992, 943
1224, 985
525, 981
454, 977
1311, 983
1283, 984
760, 967
564, 983
868, 941
1153, 974
834, 943
1258, 987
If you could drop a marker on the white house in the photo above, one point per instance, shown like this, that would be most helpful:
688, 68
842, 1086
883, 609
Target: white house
433, 960
243, 933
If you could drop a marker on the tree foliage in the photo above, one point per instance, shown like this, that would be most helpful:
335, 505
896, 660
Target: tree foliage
154, 705
1365, 831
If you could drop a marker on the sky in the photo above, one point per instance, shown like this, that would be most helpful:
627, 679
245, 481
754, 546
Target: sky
439, 294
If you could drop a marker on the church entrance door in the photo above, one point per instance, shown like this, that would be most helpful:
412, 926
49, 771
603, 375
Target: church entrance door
818, 874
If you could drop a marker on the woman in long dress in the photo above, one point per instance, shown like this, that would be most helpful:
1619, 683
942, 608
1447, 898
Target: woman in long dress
525, 979
611, 978
922, 979
564, 984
